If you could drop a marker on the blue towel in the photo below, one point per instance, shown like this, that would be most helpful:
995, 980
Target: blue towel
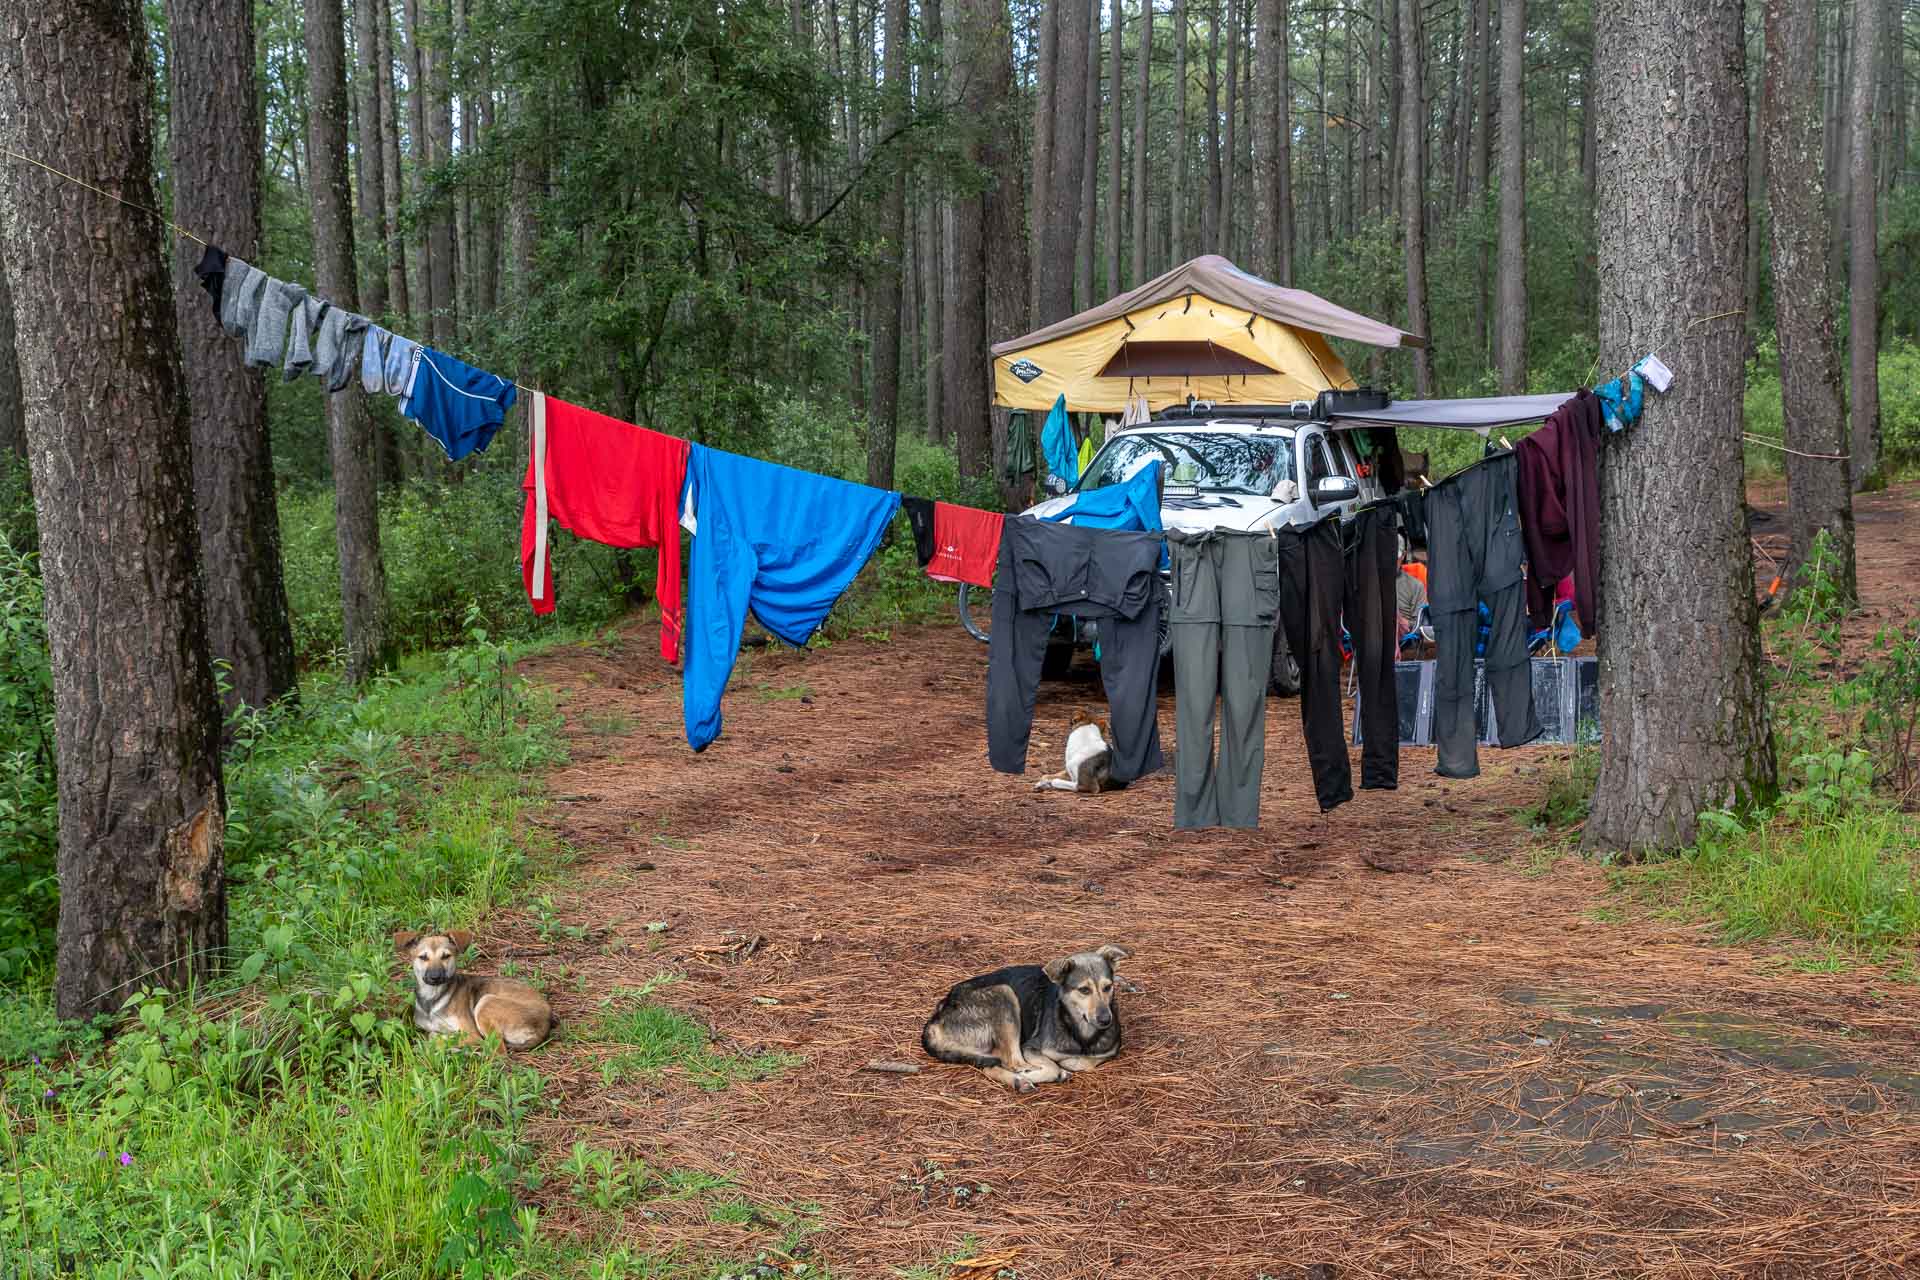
767, 538
1056, 442
1134, 503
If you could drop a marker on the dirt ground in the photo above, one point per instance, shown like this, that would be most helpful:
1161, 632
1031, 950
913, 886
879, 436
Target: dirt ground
1389, 1042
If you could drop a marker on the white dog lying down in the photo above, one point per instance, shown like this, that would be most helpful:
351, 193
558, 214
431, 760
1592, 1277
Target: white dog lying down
1089, 759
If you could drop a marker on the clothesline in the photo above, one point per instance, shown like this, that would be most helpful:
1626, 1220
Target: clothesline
81, 182
1765, 443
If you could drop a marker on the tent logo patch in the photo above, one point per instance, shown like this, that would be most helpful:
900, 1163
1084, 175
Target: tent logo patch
1025, 370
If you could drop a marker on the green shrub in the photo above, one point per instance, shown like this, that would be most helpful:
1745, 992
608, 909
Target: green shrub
28, 895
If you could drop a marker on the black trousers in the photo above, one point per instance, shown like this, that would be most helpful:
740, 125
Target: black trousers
1102, 574
1373, 565
1474, 552
1313, 578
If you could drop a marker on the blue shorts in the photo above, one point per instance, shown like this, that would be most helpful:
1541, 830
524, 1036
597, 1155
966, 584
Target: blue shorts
455, 403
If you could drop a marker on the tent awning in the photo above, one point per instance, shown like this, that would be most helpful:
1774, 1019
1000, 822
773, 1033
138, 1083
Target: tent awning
1473, 414
1180, 359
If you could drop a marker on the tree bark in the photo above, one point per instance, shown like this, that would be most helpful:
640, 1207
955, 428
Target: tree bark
933, 242
1210, 211
1757, 192
1223, 228
363, 579
1085, 286
398, 300
1682, 690
1045, 108
1863, 253
214, 151
1004, 223
1413, 185
1818, 494
1271, 257
372, 174
13, 406
1510, 328
978, 28
136, 719
1142, 95
1468, 108
1059, 229
441, 247
420, 146
1116, 167
1177, 198
883, 417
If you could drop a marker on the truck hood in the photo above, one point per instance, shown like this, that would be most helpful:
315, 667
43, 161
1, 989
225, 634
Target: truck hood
1192, 511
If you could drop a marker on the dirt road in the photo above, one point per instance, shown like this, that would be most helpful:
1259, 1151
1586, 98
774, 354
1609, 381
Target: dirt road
1394, 1041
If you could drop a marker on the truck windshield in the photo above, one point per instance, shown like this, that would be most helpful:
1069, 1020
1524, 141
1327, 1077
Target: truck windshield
1200, 460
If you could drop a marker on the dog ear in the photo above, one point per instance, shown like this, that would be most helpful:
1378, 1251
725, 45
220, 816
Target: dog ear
461, 940
1056, 970
404, 939
1111, 953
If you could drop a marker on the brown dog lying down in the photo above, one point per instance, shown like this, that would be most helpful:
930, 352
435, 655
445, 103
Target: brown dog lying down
447, 1002
1031, 1024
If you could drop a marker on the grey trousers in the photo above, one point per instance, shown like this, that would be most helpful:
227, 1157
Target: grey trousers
1226, 597
1474, 553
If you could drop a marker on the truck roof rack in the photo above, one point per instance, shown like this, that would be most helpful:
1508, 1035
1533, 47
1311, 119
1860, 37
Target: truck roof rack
1324, 406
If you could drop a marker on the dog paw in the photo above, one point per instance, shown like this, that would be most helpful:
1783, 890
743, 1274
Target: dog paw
1022, 1085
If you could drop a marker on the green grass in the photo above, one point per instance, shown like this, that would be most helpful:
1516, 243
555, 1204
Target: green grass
655, 1040
1850, 882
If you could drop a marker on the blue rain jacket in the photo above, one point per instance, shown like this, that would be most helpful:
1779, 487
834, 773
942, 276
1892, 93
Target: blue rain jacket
1056, 442
767, 538
1134, 503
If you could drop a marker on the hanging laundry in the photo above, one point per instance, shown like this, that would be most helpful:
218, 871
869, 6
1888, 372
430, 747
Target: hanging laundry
211, 271
1097, 574
1137, 414
1475, 550
1371, 607
611, 482
1134, 503
272, 320
1558, 494
322, 342
1019, 464
1226, 601
398, 366
458, 405
1313, 578
242, 288
920, 520
954, 543
373, 359
1056, 442
781, 543
1621, 401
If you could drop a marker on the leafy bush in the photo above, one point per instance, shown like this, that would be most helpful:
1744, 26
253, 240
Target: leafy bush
28, 894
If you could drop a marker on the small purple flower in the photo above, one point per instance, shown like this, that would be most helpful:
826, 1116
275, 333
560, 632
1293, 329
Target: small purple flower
47, 1094
36, 1059
125, 1160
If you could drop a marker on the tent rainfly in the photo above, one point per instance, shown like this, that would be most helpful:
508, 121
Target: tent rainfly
1206, 329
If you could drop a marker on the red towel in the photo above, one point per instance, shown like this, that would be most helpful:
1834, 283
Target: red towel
609, 481
966, 544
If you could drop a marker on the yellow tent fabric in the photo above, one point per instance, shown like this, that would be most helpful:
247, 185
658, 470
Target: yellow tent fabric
1205, 329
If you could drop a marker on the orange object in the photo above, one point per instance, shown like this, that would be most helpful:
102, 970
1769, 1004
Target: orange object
1415, 569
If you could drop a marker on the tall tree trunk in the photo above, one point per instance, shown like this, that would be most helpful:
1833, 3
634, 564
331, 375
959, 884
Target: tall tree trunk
1223, 229
1477, 180
486, 285
363, 578
529, 189
1818, 494
1177, 198
883, 418
1756, 187
1058, 231
1271, 257
933, 244
1004, 221
1142, 95
1116, 130
1413, 185
964, 367
1682, 681
441, 247
1863, 257
136, 720
1839, 143
372, 175
398, 299
1469, 107
1210, 211
214, 151
1085, 285
426, 303
1511, 330
13, 406
1046, 71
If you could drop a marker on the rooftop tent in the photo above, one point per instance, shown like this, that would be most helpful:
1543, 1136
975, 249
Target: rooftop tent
1205, 329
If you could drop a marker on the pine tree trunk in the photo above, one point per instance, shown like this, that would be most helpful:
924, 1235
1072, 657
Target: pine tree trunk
1682, 691
13, 407
372, 175
398, 299
883, 417
1863, 255
963, 366
426, 304
1413, 186
1818, 494
1757, 194
1223, 229
1046, 72
136, 719
1511, 310
1469, 108
529, 189
441, 246
486, 284
214, 152
1142, 95
1177, 198
1059, 221
1004, 223
1840, 143
1116, 168
933, 243
1084, 284
1210, 211
363, 579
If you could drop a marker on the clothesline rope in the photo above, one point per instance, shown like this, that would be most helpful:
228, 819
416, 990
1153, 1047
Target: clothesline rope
1798, 453
82, 182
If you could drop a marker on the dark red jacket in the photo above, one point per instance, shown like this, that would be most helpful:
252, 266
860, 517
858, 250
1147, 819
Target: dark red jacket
1559, 495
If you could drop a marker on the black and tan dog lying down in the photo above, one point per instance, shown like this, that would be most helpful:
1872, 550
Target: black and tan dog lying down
1031, 1024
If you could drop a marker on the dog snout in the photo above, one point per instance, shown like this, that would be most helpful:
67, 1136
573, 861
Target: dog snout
1103, 1019
435, 975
